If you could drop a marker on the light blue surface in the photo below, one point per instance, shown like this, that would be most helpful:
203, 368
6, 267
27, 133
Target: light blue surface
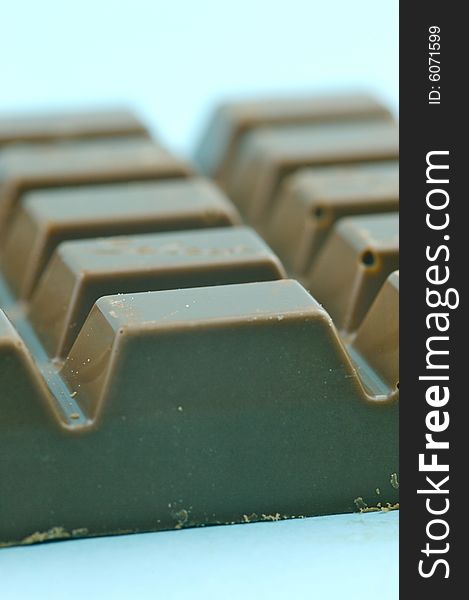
347, 556
172, 61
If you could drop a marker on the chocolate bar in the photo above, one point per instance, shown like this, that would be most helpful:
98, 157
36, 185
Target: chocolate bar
161, 369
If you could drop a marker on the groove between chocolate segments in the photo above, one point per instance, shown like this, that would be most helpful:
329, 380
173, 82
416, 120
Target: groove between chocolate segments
55, 393
44, 219
77, 391
377, 339
231, 121
352, 266
269, 155
312, 200
25, 168
82, 271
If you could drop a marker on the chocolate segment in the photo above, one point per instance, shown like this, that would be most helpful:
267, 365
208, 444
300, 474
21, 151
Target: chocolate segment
47, 218
353, 265
269, 155
231, 121
26, 168
311, 201
82, 271
375, 348
71, 125
208, 405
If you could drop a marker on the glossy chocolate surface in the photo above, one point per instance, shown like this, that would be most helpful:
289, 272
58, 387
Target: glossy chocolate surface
158, 367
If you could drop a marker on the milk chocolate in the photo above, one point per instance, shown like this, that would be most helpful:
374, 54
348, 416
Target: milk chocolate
353, 265
83, 271
312, 200
44, 166
192, 407
375, 348
53, 126
230, 122
267, 156
48, 217
153, 354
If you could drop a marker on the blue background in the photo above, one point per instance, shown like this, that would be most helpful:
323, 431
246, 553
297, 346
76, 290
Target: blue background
173, 61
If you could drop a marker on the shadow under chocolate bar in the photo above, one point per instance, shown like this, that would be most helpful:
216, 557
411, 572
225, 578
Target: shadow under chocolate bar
155, 356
